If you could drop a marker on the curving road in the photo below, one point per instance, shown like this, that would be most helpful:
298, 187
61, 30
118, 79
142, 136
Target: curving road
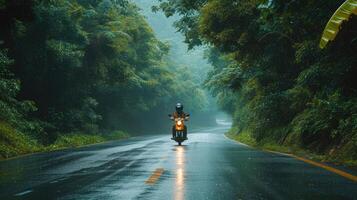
208, 166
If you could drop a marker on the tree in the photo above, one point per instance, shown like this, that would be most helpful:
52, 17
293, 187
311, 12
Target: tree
268, 71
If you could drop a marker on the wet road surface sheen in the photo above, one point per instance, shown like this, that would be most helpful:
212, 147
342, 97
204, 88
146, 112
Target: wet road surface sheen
207, 166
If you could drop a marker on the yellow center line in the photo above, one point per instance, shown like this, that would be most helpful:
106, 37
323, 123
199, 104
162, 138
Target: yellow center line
317, 164
321, 165
155, 176
331, 169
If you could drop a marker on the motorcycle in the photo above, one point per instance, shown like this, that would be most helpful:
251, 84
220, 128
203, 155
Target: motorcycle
180, 134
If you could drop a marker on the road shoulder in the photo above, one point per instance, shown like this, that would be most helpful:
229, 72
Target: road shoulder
350, 175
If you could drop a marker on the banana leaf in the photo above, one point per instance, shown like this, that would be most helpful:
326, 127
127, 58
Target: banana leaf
343, 13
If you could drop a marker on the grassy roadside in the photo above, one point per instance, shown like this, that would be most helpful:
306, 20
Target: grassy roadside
246, 138
79, 139
14, 143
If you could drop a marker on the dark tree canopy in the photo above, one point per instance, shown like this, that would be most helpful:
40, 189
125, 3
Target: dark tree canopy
269, 72
87, 66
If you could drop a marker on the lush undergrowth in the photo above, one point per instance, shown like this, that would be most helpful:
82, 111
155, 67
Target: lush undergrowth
341, 156
79, 139
14, 143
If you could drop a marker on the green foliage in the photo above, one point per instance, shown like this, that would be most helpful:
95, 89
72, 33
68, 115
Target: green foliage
77, 139
116, 135
243, 136
189, 67
12, 110
13, 142
270, 74
86, 67
343, 13
9, 89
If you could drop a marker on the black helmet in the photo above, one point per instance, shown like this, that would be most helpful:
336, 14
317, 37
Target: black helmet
179, 107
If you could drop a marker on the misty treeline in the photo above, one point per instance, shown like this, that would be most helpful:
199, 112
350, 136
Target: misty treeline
85, 66
270, 74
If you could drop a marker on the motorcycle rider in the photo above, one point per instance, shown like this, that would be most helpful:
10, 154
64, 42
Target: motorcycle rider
179, 114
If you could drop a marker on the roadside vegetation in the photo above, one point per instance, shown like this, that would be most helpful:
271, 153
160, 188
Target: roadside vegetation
78, 139
72, 72
245, 137
270, 74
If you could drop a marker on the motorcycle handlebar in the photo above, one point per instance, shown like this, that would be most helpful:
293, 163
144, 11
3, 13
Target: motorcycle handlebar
186, 117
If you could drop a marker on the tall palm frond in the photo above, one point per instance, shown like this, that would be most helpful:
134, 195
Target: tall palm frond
343, 13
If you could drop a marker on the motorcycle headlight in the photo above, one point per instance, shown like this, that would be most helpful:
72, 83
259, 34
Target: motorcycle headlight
179, 122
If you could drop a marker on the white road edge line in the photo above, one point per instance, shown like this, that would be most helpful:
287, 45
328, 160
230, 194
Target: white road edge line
235, 141
23, 193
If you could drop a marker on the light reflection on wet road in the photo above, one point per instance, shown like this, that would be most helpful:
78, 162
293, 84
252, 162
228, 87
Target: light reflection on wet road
207, 166
180, 173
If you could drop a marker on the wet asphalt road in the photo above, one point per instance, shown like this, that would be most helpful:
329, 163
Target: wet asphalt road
208, 166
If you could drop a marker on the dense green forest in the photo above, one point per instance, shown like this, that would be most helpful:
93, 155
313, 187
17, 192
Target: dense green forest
74, 67
270, 74
192, 60
74, 72
189, 65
